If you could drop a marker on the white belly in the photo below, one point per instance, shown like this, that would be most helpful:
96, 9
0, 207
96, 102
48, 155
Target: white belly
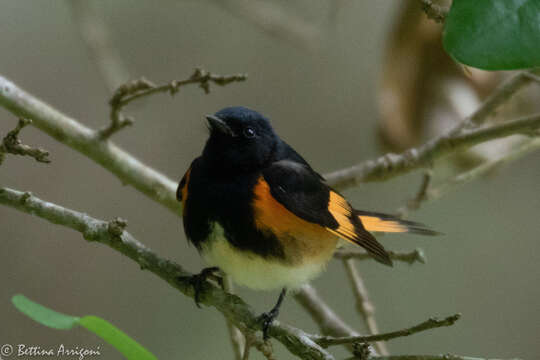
253, 271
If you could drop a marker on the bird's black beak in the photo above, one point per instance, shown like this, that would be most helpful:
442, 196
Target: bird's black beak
216, 124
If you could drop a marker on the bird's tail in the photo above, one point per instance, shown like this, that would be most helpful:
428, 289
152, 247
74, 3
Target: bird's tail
377, 222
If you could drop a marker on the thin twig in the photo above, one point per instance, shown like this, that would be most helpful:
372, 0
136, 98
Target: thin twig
391, 165
231, 306
364, 306
13, 145
409, 257
162, 189
328, 321
432, 323
139, 88
481, 170
237, 339
436, 192
435, 12
421, 196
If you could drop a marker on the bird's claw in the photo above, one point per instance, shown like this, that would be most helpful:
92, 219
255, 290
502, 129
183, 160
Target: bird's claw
266, 320
198, 280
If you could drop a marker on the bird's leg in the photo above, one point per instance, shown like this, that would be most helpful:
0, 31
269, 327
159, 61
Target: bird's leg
267, 317
198, 280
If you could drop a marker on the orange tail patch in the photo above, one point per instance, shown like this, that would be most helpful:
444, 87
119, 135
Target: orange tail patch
373, 223
376, 222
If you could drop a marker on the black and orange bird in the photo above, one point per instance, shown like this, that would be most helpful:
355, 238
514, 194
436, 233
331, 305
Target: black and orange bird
256, 210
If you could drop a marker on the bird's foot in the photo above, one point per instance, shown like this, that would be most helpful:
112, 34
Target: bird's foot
266, 320
199, 279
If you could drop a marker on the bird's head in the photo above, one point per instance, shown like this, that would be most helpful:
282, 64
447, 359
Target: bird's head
240, 139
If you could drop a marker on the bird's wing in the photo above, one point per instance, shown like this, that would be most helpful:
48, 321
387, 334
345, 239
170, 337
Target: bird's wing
301, 191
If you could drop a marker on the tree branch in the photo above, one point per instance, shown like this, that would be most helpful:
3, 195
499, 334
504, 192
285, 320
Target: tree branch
237, 339
113, 235
425, 357
481, 170
364, 306
409, 257
432, 323
140, 88
85, 140
328, 321
13, 145
391, 165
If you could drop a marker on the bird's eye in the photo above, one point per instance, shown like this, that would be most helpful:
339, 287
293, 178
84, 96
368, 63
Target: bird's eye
249, 132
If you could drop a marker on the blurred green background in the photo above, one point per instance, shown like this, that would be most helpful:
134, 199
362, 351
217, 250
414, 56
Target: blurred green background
322, 100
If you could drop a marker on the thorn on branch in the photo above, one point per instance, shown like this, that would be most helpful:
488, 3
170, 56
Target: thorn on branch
139, 88
434, 12
13, 145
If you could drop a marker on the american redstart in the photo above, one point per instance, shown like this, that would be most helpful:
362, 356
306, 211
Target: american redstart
255, 209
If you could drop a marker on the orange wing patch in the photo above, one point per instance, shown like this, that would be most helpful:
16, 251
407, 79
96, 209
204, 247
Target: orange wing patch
341, 211
184, 190
303, 238
373, 223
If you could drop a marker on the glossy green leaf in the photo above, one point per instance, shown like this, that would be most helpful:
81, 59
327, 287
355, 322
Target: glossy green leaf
105, 330
494, 34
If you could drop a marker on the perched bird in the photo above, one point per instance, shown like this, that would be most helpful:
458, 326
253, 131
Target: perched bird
255, 209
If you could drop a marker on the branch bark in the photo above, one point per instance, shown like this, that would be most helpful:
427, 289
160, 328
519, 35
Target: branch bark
409, 257
391, 165
85, 140
364, 306
140, 88
426, 357
326, 341
107, 233
11, 144
161, 189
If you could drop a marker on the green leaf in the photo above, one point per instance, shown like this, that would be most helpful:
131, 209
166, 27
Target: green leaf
105, 330
114, 336
43, 315
494, 34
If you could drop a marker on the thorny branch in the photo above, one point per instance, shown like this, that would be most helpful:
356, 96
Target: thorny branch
13, 145
139, 88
